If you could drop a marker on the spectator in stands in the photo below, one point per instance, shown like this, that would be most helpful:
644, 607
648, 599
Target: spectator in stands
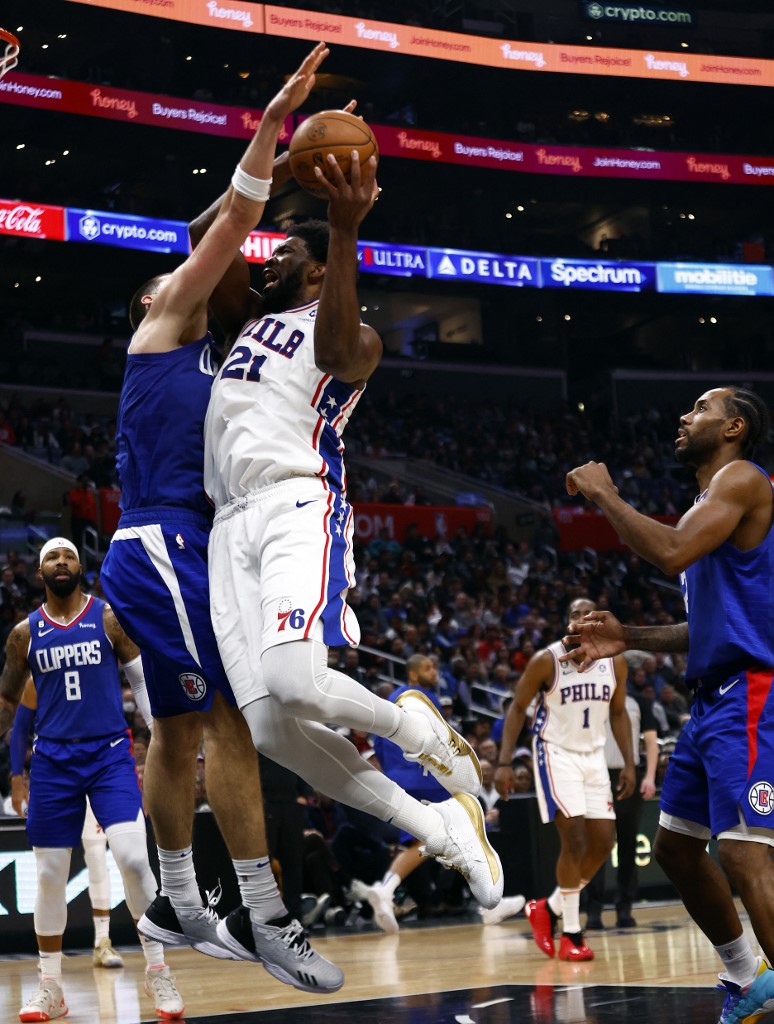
11, 595
83, 504
7, 433
74, 461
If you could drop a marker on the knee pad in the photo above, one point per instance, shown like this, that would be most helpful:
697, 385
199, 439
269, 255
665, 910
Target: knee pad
95, 855
53, 867
129, 845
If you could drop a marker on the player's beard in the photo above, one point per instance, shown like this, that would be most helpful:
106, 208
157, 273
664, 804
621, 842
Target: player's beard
62, 588
286, 293
695, 450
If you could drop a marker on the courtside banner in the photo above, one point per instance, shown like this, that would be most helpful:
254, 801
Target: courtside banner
392, 260
365, 33
483, 267
98, 227
645, 14
134, 107
127, 232
244, 17
598, 275
715, 279
32, 220
433, 521
261, 244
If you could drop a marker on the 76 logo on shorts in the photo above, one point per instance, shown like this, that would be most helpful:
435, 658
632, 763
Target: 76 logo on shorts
287, 615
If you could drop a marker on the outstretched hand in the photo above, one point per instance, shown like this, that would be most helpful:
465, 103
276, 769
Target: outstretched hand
298, 86
597, 635
349, 201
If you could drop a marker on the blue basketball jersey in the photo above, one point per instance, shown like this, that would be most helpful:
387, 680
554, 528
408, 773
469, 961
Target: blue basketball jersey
729, 600
76, 676
160, 431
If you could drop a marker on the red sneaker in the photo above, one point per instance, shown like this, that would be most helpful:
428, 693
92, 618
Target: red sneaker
542, 925
569, 951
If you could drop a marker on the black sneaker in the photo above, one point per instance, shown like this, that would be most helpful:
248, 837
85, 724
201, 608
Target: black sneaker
282, 948
184, 926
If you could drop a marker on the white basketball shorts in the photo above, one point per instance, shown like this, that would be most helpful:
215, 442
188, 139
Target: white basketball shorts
574, 784
280, 563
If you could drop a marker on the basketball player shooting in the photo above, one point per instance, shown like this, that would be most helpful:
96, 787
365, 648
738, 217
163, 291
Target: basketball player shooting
280, 552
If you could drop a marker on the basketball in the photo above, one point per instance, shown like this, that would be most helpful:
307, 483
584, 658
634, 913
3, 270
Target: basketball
330, 131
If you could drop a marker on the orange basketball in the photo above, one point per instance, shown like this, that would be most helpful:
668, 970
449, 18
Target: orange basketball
330, 131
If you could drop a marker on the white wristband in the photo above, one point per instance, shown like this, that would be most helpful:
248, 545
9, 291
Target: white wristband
257, 189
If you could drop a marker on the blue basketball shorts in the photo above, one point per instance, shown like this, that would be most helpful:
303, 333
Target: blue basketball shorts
723, 763
155, 578
63, 774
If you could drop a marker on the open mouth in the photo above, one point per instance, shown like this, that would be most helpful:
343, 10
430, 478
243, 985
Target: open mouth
270, 277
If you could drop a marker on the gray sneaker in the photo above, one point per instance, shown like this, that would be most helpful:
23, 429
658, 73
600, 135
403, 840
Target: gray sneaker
184, 926
282, 948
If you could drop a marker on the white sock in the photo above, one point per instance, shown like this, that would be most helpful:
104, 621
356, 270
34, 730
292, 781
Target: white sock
178, 878
411, 732
555, 901
570, 911
153, 952
390, 883
101, 929
258, 888
740, 964
50, 965
419, 820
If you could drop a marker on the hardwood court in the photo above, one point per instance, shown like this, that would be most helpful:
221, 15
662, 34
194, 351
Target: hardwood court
461, 974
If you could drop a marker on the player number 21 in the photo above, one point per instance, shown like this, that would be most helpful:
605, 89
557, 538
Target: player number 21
237, 369
72, 686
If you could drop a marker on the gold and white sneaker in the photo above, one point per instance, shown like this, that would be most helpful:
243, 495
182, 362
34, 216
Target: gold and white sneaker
445, 754
160, 986
464, 846
105, 956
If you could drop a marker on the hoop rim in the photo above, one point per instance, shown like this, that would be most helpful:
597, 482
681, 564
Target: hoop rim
9, 38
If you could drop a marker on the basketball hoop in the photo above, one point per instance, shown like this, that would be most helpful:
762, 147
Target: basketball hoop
11, 57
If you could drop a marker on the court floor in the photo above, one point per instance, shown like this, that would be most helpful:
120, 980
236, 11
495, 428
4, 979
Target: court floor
461, 973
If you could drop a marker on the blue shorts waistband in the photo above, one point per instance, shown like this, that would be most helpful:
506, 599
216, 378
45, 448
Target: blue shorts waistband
164, 514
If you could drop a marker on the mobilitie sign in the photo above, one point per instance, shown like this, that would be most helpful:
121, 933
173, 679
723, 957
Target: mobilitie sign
646, 14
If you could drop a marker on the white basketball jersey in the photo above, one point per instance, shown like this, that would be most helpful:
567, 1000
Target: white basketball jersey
273, 415
573, 712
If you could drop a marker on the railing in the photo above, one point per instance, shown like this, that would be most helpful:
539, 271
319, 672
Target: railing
476, 708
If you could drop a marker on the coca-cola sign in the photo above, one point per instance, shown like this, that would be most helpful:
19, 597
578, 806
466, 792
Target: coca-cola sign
32, 221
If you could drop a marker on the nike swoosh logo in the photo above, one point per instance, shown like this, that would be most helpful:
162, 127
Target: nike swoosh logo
724, 689
114, 743
42, 633
300, 504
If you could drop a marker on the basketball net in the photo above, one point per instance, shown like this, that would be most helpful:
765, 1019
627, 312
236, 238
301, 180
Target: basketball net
10, 58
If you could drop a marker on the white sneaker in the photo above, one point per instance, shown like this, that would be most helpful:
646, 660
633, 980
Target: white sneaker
47, 1003
384, 911
105, 956
358, 891
445, 754
508, 906
465, 847
160, 986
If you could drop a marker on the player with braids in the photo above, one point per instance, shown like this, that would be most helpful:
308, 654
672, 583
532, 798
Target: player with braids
720, 779
741, 402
